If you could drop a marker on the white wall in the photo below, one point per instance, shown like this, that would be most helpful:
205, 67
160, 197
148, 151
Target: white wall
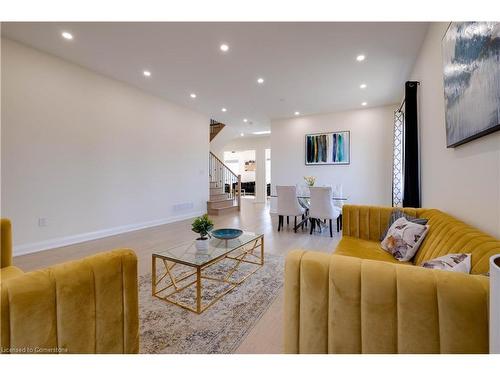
225, 136
464, 181
92, 155
259, 144
366, 180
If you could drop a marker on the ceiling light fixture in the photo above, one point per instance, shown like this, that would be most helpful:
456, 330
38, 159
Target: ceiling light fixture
193, 96
67, 35
362, 86
224, 110
364, 104
146, 73
242, 134
297, 113
260, 81
262, 132
360, 57
245, 120
224, 47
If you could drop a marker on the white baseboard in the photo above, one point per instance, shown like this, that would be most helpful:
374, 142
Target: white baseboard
35, 247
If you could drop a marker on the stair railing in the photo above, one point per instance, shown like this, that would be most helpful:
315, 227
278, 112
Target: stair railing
225, 178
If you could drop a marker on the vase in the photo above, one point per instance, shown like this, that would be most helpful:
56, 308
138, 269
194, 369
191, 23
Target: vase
201, 244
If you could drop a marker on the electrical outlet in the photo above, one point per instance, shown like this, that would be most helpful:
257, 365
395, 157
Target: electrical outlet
42, 222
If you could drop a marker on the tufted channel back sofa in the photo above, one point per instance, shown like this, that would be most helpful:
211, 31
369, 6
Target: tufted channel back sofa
84, 306
359, 299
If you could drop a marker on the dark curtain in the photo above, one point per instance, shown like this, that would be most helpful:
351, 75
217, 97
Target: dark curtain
411, 194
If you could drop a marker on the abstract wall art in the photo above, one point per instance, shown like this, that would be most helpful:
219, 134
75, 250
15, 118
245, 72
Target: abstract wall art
328, 148
471, 59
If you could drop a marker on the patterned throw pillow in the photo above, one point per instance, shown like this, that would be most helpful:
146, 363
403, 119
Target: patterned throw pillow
450, 262
396, 214
404, 238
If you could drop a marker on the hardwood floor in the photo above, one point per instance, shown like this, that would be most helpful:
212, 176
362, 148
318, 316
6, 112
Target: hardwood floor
266, 335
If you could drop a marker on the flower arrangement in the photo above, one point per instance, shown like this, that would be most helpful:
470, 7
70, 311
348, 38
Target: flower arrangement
202, 225
310, 180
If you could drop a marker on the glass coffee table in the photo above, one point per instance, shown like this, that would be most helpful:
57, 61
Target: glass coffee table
184, 267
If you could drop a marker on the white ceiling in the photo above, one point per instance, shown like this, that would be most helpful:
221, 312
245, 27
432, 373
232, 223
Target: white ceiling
307, 67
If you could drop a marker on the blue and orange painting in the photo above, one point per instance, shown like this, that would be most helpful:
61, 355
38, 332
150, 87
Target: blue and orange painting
471, 57
328, 148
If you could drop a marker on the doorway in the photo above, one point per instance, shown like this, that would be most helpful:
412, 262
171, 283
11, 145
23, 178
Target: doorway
243, 163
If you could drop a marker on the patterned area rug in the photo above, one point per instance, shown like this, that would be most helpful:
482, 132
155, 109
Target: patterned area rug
166, 328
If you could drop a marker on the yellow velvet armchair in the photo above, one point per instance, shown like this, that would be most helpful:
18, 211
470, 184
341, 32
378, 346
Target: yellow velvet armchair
360, 300
84, 306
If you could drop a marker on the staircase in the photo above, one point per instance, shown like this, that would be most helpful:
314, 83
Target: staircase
225, 188
215, 128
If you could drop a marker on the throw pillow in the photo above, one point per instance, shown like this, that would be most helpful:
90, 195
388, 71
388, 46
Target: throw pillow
396, 214
404, 238
450, 262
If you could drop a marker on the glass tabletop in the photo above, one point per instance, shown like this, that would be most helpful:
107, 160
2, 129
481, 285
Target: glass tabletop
187, 253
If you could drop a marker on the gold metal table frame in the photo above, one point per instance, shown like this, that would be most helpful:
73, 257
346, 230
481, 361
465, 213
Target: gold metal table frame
169, 263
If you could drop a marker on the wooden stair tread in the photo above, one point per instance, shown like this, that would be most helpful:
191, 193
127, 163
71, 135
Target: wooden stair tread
218, 211
220, 200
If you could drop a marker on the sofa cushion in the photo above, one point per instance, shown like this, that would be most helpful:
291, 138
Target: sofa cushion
450, 262
404, 238
396, 214
9, 273
448, 235
364, 249
368, 222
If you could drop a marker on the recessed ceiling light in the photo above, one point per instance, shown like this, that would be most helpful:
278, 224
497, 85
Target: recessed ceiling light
362, 86
242, 134
260, 81
146, 73
262, 132
67, 35
360, 57
193, 96
364, 104
297, 113
224, 47
245, 120
224, 110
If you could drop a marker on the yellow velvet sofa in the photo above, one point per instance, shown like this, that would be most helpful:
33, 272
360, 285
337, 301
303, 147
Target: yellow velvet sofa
85, 306
361, 300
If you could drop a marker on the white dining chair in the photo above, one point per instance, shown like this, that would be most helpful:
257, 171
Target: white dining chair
322, 207
288, 205
302, 189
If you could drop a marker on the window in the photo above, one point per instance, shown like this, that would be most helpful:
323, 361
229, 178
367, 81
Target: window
398, 159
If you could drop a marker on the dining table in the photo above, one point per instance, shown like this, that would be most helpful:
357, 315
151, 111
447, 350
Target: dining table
335, 198
305, 201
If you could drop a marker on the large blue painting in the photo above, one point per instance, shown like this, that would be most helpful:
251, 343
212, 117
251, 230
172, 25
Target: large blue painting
471, 55
328, 148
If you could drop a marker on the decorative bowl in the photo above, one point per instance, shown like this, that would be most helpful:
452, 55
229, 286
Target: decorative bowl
226, 233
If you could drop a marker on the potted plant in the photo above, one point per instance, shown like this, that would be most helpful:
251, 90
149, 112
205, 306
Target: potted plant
310, 180
202, 225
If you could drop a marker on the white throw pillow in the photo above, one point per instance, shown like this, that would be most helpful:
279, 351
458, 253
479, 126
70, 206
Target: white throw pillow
450, 262
404, 238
